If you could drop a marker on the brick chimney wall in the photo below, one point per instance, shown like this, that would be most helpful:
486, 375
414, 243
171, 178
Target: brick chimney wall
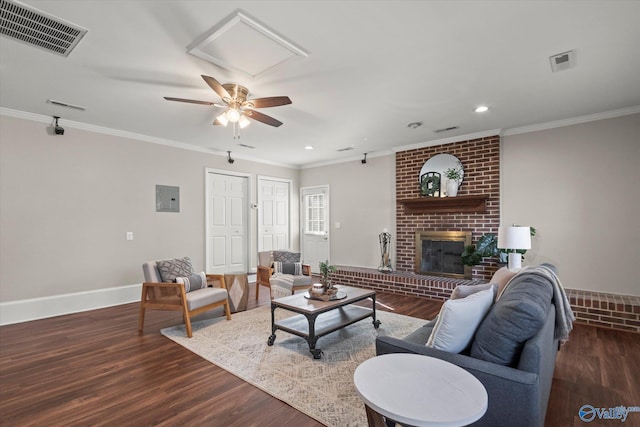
481, 161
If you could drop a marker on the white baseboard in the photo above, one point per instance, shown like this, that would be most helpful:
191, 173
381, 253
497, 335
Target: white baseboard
57, 305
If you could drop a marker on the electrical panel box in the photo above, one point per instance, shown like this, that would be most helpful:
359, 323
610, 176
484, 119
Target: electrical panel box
167, 198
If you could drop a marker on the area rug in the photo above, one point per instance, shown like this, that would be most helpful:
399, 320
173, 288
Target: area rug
321, 388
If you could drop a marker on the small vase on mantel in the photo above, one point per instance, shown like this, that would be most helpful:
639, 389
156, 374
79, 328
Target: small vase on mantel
452, 188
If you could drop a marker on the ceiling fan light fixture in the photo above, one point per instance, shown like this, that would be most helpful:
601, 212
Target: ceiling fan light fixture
243, 122
233, 115
222, 119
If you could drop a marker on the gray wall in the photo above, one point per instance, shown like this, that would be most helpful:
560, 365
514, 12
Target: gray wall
579, 186
66, 203
362, 200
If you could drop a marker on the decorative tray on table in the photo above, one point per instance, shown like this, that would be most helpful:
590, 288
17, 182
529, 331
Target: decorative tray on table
328, 296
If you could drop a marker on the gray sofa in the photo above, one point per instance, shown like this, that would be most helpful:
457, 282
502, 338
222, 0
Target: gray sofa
513, 353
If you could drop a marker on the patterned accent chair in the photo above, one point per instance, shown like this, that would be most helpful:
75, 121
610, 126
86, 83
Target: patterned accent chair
171, 284
282, 263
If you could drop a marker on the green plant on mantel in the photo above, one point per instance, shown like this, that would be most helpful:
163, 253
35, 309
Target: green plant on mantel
487, 246
454, 173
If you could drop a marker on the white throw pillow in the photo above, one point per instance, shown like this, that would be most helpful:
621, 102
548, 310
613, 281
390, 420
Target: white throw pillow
458, 321
463, 291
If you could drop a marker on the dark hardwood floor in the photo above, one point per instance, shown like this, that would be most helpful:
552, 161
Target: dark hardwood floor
94, 369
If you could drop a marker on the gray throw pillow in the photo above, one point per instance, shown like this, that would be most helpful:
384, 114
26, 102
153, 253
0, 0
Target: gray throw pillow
177, 267
286, 256
515, 317
294, 268
194, 282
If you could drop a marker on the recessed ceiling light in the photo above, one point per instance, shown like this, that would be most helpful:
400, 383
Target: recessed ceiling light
309, 147
481, 109
414, 125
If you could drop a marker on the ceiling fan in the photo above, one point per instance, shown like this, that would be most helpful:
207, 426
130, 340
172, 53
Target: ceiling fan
239, 109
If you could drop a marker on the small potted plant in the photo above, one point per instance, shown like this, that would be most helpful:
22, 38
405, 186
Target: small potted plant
454, 176
326, 271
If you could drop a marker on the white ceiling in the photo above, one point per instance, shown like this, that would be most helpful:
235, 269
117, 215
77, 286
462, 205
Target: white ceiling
373, 67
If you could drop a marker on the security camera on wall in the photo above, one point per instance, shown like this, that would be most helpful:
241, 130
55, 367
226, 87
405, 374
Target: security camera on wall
55, 128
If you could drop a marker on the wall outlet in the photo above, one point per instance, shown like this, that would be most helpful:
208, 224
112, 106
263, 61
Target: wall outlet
129, 235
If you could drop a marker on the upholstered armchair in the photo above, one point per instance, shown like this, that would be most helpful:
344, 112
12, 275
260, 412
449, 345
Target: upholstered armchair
171, 284
282, 262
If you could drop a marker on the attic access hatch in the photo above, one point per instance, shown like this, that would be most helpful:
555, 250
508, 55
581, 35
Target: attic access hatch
241, 43
37, 28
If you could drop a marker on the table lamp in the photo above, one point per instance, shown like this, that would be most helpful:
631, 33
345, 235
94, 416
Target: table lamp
514, 237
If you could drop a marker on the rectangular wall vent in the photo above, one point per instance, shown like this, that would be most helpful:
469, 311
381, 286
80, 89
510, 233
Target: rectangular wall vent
28, 25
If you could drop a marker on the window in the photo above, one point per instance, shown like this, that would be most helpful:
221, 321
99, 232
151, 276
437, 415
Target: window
315, 214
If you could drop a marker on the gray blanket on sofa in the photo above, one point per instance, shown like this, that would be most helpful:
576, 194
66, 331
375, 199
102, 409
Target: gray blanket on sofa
564, 314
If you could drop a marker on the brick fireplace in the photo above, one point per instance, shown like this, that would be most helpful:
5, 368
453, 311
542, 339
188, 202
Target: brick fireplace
481, 161
476, 209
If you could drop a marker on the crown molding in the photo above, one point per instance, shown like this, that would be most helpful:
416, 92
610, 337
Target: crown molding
449, 140
370, 155
573, 121
135, 136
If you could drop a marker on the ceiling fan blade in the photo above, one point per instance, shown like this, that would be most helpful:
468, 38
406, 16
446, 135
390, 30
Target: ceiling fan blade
190, 101
217, 87
217, 122
268, 120
272, 101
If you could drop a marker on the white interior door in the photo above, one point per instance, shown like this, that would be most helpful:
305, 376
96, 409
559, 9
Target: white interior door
227, 227
314, 217
273, 214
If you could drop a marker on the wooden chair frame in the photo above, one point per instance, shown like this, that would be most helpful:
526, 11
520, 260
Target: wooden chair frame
263, 274
172, 296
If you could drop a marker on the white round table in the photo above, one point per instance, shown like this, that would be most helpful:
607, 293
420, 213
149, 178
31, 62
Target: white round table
420, 391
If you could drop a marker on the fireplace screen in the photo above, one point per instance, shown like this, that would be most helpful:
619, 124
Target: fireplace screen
438, 253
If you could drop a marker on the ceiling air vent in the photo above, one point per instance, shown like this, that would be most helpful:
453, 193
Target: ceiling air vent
345, 149
563, 61
37, 28
445, 129
65, 104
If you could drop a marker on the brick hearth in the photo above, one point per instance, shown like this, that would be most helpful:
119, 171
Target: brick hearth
600, 309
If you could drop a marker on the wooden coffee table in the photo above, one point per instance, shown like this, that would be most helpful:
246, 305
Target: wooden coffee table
318, 318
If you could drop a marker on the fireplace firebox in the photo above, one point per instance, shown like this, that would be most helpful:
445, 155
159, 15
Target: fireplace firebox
438, 253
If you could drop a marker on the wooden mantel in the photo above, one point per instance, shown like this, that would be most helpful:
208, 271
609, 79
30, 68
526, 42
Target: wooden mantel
464, 204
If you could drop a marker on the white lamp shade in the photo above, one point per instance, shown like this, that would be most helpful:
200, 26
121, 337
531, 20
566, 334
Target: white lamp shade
222, 118
512, 237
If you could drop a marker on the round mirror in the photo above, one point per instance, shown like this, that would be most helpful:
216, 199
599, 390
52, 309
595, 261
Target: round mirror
433, 179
